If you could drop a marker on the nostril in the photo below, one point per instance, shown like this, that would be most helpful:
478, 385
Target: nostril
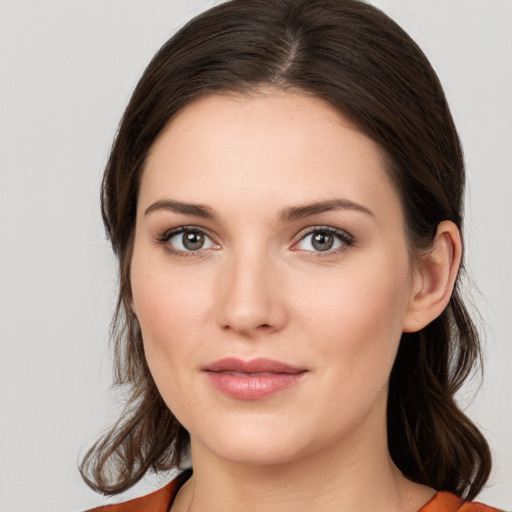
247, 329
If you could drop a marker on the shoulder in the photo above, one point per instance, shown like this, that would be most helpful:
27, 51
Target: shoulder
448, 502
158, 501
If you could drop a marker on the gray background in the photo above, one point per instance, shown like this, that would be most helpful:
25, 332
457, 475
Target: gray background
67, 70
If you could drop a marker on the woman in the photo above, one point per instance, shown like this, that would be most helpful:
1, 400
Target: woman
284, 196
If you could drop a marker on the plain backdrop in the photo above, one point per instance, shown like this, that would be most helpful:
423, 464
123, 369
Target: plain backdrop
67, 68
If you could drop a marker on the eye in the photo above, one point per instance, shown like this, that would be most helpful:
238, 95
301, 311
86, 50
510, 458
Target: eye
325, 239
188, 240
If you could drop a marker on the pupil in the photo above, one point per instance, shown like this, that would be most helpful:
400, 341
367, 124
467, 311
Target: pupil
323, 241
193, 240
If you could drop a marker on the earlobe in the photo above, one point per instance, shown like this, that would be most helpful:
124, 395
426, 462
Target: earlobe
434, 278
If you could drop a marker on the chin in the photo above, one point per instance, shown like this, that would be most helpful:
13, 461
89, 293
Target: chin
257, 454
253, 444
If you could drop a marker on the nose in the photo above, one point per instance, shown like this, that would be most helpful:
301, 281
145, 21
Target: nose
250, 296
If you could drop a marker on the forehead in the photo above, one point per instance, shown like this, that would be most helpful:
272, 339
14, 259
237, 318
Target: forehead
267, 149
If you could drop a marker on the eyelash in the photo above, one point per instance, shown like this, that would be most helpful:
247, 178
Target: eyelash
167, 235
345, 238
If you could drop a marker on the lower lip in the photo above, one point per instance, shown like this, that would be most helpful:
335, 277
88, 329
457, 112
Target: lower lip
253, 387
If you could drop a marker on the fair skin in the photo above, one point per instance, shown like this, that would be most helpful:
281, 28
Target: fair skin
327, 290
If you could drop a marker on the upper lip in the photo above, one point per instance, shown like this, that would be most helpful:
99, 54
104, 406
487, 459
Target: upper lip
260, 365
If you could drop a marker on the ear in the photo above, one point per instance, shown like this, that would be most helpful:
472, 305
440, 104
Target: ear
434, 278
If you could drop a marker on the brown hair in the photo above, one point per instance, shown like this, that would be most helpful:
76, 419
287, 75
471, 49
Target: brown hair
362, 63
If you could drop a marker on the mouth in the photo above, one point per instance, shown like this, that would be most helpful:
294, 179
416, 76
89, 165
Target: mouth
252, 380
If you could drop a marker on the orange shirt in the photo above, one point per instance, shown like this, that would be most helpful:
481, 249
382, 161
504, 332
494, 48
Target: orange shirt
159, 501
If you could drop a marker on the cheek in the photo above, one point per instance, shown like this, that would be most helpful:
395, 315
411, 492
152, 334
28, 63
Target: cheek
366, 294
169, 357
171, 307
175, 307
357, 321
166, 296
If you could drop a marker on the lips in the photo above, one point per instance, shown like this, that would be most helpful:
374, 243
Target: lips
252, 380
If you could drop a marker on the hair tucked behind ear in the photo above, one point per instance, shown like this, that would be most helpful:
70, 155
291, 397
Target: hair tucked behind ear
357, 59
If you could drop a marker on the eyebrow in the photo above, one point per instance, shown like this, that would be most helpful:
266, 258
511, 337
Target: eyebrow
289, 214
197, 210
299, 212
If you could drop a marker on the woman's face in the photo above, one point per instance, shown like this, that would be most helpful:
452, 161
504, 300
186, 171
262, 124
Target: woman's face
271, 277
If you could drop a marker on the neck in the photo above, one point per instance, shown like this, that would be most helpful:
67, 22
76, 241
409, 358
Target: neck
358, 475
295, 487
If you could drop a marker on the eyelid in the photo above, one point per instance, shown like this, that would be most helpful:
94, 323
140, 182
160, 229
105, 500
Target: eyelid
343, 236
346, 238
170, 233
